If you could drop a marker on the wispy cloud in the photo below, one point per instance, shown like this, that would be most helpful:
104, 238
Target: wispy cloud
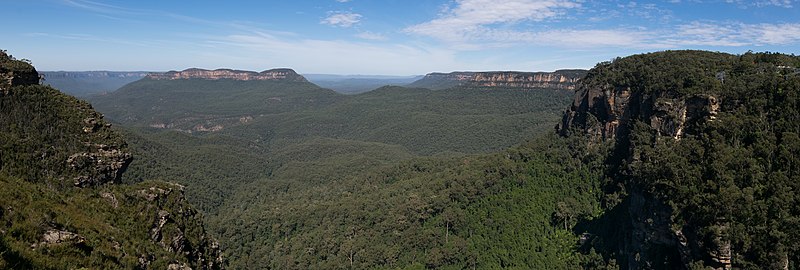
471, 19
371, 36
93, 38
342, 19
736, 34
98, 7
480, 24
763, 3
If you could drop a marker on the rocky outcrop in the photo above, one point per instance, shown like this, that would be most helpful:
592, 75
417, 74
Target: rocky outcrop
55, 237
604, 111
102, 163
15, 73
105, 165
175, 227
560, 79
239, 75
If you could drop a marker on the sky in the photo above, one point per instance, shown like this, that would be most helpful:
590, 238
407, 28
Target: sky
382, 37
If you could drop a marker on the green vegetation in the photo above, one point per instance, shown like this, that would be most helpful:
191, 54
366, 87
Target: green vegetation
302, 133
301, 177
728, 184
486, 211
47, 141
735, 177
104, 228
41, 128
700, 172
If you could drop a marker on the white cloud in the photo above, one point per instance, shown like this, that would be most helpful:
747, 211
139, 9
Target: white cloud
763, 3
596, 38
478, 24
736, 34
371, 36
481, 24
342, 19
471, 19
342, 1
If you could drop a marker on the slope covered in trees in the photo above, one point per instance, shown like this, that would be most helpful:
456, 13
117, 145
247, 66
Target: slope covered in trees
59, 205
294, 171
297, 131
702, 170
668, 160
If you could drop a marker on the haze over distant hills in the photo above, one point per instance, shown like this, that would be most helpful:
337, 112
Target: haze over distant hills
353, 84
83, 83
560, 79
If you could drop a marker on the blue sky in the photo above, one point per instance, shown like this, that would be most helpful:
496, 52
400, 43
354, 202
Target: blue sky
392, 37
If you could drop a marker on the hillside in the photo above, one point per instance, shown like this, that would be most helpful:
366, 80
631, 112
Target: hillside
668, 160
300, 145
559, 79
60, 203
701, 169
85, 83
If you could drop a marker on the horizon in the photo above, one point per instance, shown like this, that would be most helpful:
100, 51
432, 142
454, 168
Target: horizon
384, 38
316, 74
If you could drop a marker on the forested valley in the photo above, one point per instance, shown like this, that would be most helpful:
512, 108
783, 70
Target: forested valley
665, 160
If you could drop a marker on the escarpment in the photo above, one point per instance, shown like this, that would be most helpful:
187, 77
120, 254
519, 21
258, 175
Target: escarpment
560, 79
603, 112
692, 137
282, 74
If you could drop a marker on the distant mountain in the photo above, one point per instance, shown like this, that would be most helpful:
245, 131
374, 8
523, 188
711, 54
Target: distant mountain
559, 79
280, 74
353, 84
83, 83
200, 100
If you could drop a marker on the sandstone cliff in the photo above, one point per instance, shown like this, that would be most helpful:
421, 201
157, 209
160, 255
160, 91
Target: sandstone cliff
560, 79
601, 111
672, 120
240, 75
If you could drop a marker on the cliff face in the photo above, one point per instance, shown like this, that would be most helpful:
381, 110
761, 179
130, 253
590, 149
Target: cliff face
601, 111
673, 120
240, 75
605, 111
561, 79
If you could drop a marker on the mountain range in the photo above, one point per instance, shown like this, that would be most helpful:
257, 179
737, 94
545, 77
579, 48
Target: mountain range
86, 83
